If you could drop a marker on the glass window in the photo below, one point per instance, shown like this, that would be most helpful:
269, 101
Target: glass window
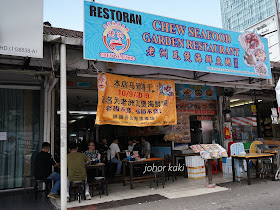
20, 135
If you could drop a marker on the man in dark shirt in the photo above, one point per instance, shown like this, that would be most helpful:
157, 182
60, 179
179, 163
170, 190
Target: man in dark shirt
103, 147
137, 146
43, 169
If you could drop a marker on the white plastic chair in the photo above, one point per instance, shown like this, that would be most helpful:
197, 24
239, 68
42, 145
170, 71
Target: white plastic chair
236, 149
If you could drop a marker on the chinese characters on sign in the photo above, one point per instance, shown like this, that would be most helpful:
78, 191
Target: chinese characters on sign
196, 107
135, 102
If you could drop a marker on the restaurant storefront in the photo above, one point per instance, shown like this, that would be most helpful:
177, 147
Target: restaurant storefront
162, 62
190, 67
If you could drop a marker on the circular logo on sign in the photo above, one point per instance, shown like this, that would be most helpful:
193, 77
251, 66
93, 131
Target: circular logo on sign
167, 90
101, 82
115, 37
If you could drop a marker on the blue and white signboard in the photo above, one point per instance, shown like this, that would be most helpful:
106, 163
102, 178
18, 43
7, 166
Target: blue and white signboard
196, 92
119, 35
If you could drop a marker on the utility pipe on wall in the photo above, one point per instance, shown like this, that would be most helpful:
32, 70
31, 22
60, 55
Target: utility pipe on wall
46, 88
52, 122
63, 128
49, 108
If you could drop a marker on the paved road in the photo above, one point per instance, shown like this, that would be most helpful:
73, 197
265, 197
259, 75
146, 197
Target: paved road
262, 194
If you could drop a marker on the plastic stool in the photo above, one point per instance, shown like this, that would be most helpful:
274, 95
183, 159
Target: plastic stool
40, 181
157, 176
102, 183
214, 167
221, 164
80, 185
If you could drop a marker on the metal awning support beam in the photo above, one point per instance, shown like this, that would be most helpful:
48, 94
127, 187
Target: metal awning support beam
226, 84
195, 75
63, 40
202, 75
236, 84
63, 128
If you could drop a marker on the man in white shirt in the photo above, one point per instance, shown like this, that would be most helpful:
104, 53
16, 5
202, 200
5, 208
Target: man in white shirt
114, 151
130, 145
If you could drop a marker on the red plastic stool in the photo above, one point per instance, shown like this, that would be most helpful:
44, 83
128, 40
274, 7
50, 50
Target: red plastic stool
214, 167
221, 164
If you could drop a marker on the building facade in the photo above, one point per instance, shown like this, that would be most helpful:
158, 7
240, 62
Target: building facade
267, 28
239, 15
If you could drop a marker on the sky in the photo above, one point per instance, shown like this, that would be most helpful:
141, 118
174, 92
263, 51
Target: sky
69, 13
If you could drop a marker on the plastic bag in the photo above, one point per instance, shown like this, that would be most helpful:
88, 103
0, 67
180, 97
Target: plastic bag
173, 136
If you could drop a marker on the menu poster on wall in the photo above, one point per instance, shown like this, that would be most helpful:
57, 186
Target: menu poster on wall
196, 92
3, 136
183, 127
196, 107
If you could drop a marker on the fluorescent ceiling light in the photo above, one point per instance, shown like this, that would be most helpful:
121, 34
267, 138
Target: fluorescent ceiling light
81, 112
241, 104
87, 75
233, 100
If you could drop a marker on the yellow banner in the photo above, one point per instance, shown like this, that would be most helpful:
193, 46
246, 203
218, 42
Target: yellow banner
135, 102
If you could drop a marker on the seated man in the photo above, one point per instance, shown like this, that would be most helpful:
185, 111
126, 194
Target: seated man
92, 153
114, 151
76, 168
43, 169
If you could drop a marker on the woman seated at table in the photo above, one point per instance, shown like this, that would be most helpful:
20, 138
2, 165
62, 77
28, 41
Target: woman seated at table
92, 153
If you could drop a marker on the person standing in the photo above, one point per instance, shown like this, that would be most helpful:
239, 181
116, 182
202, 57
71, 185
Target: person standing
103, 149
76, 168
130, 145
113, 155
137, 146
146, 149
92, 153
43, 169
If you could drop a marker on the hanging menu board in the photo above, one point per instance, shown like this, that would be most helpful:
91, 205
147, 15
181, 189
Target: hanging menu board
196, 107
196, 92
